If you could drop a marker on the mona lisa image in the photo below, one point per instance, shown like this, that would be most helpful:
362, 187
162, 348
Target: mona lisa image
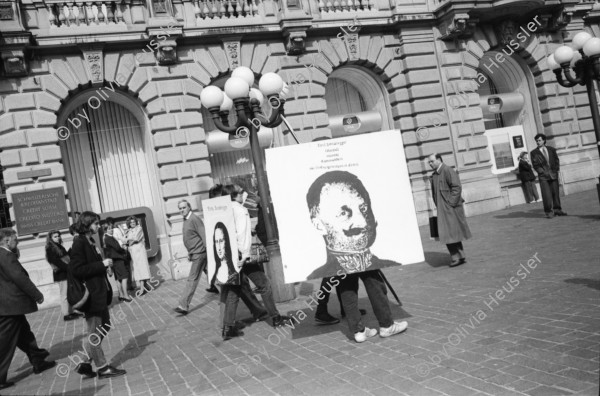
225, 271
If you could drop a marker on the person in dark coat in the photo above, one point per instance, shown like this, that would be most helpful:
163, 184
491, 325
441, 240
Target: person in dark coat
18, 297
58, 258
527, 178
452, 222
114, 251
87, 265
547, 165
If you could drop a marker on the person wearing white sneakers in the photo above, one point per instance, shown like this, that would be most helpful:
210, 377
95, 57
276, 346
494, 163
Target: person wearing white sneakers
340, 209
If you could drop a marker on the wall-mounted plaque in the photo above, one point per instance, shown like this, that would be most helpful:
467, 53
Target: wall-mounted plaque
518, 141
40, 211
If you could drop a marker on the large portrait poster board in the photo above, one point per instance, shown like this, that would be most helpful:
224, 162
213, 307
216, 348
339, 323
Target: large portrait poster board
339, 177
221, 238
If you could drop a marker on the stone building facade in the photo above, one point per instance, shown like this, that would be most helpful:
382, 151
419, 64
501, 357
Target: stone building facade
102, 93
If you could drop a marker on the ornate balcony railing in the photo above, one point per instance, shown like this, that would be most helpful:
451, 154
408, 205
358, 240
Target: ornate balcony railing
328, 7
225, 9
85, 13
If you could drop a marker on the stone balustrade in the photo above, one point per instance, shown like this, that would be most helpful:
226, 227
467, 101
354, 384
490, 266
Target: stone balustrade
85, 13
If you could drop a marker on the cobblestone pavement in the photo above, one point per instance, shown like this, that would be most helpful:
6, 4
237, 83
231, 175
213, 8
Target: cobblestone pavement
522, 317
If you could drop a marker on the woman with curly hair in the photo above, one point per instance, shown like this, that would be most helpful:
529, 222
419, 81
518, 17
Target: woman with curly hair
87, 266
59, 259
139, 259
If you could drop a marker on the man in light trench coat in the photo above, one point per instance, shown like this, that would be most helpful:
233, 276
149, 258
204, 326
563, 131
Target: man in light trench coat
451, 220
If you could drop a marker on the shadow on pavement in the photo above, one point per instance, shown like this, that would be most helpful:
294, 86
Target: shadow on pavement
207, 299
537, 213
593, 283
307, 327
134, 348
437, 259
65, 348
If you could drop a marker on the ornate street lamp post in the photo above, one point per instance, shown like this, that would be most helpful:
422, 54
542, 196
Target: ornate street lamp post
586, 65
247, 101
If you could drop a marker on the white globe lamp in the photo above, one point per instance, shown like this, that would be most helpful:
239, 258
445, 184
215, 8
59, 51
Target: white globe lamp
580, 39
211, 96
592, 47
256, 94
245, 74
270, 84
552, 63
227, 103
237, 88
563, 54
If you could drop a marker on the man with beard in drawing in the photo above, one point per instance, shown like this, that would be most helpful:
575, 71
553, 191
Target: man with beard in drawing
340, 209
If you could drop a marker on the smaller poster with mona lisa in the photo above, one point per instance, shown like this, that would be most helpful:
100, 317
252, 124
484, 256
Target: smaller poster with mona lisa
221, 241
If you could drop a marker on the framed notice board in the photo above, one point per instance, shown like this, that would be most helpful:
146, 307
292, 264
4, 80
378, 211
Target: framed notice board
40, 211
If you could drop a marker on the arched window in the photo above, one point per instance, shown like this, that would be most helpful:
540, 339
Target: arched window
105, 154
507, 111
352, 91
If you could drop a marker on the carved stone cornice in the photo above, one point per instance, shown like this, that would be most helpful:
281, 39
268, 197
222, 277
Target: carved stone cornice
13, 51
458, 26
553, 22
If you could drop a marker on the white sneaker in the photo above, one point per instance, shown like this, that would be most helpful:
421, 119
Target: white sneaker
395, 328
366, 333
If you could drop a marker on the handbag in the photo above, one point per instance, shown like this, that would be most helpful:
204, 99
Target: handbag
77, 292
258, 253
433, 227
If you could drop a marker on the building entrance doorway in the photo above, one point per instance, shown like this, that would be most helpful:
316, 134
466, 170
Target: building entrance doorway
104, 159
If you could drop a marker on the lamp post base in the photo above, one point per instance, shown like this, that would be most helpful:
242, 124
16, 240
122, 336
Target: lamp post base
274, 268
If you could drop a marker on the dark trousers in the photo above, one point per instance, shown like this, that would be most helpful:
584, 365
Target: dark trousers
198, 262
248, 297
230, 297
530, 191
456, 251
550, 195
243, 291
377, 293
16, 333
326, 289
256, 274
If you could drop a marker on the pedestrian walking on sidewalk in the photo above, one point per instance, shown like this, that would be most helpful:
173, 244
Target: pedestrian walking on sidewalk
451, 220
18, 297
527, 178
88, 266
254, 272
194, 236
547, 165
340, 210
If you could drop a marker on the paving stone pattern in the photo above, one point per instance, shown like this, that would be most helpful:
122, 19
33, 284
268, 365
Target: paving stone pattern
472, 329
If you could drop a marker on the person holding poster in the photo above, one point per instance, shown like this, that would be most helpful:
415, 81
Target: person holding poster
451, 220
225, 272
340, 209
252, 271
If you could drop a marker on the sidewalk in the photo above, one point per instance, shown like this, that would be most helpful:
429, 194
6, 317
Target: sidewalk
522, 317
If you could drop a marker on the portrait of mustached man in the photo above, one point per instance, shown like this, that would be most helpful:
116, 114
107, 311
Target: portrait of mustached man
340, 209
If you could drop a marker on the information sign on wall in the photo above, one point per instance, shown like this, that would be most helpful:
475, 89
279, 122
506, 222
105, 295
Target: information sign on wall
40, 211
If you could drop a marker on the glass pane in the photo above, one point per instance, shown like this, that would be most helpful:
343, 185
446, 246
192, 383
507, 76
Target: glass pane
503, 155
